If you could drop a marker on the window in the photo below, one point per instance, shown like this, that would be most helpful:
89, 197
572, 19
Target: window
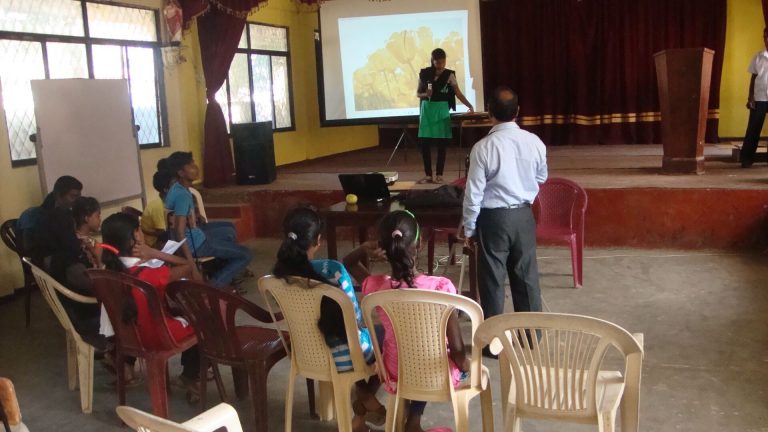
49, 39
259, 84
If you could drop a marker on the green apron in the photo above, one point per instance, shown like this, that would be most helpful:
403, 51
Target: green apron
434, 120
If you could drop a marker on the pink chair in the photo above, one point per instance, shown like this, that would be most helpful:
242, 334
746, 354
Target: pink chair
559, 210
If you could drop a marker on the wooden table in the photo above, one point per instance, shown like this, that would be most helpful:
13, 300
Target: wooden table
366, 215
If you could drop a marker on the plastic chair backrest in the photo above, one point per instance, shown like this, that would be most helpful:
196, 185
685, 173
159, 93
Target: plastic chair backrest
419, 319
560, 203
114, 290
212, 312
8, 233
555, 358
299, 301
49, 287
221, 416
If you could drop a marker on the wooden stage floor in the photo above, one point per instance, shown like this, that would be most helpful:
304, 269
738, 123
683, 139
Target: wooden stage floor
631, 204
623, 166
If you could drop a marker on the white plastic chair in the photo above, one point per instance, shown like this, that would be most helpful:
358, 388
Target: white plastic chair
10, 414
419, 319
220, 416
310, 355
549, 365
79, 353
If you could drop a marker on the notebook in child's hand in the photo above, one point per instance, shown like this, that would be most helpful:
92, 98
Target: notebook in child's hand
170, 248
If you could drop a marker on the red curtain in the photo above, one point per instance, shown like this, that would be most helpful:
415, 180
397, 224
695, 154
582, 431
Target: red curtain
765, 12
219, 34
219, 27
584, 69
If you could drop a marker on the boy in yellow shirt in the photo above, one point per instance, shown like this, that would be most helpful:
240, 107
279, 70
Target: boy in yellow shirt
153, 220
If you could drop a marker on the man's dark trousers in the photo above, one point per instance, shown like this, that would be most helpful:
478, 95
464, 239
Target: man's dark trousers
752, 136
507, 247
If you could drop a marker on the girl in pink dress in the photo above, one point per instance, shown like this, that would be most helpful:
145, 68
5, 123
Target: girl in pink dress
399, 237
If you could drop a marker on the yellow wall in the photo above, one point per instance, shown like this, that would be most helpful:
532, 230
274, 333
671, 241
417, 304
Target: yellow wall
309, 140
743, 38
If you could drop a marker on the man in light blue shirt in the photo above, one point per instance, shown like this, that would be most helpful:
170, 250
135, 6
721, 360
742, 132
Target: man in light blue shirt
505, 170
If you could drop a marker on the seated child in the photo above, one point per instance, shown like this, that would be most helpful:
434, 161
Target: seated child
180, 201
153, 219
295, 258
399, 236
124, 251
87, 214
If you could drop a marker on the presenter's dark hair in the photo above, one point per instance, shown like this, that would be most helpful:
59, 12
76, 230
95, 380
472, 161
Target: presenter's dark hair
504, 104
397, 234
301, 230
437, 54
84, 207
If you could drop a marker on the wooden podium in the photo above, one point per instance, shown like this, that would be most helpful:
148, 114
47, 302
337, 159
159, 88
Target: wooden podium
684, 77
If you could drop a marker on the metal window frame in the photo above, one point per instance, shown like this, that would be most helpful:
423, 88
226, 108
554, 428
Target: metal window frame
270, 53
88, 42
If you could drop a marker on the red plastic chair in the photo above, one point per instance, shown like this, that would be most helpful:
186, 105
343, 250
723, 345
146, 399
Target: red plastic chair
256, 349
559, 210
8, 234
113, 289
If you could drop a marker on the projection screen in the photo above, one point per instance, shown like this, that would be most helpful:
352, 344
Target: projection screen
372, 53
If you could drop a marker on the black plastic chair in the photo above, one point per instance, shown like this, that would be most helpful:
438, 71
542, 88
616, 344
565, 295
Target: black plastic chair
8, 233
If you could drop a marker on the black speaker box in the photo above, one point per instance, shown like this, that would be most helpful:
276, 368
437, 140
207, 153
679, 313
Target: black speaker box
254, 153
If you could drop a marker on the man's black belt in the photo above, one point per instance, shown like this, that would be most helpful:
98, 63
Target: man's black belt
512, 206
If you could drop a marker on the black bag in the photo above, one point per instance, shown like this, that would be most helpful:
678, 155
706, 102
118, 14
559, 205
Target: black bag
444, 196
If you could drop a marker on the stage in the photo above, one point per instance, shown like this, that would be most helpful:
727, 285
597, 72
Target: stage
631, 204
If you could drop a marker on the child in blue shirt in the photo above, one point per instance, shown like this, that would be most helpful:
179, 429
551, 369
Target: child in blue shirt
180, 202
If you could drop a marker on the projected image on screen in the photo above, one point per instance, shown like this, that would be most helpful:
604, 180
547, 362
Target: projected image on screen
381, 57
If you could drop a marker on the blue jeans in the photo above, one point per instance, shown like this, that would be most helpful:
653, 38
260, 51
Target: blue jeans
221, 230
236, 258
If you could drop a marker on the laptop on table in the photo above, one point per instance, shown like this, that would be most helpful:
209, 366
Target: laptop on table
368, 187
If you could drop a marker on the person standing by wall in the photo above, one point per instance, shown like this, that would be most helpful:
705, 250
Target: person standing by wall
757, 103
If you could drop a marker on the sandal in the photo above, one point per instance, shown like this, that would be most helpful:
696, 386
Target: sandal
427, 179
438, 179
374, 419
192, 386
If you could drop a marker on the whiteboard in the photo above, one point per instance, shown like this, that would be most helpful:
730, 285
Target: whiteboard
85, 129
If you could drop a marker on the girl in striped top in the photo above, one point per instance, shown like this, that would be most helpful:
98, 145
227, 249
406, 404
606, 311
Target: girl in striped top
295, 258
